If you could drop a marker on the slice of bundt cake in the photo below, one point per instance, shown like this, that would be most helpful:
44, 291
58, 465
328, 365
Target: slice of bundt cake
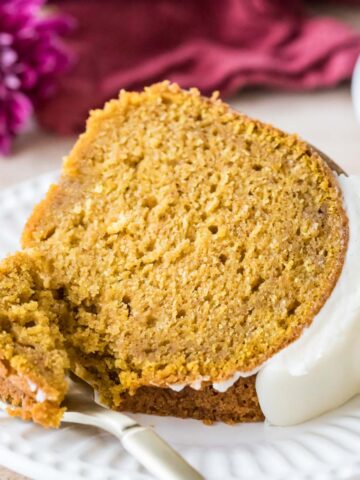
191, 243
32, 359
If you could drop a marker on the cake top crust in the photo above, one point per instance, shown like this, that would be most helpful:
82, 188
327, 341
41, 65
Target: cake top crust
189, 240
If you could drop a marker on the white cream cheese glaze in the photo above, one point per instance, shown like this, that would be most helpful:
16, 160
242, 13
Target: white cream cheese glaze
40, 394
321, 370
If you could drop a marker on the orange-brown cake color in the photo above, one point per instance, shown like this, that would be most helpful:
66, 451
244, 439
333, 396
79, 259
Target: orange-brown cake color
189, 242
238, 404
32, 359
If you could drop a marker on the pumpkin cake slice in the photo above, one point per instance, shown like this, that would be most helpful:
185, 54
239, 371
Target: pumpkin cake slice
32, 359
192, 243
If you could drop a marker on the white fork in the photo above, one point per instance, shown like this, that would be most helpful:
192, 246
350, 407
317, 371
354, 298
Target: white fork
142, 443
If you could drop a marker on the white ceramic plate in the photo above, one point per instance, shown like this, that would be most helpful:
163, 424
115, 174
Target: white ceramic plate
323, 449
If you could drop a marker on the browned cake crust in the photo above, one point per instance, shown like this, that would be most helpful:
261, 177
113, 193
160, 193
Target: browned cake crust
191, 241
238, 404
188, 241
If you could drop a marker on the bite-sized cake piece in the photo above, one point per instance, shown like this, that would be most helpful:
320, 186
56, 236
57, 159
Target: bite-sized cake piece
192, 243
32, 359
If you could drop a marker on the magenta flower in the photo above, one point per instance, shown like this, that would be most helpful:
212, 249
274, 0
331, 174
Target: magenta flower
31, 59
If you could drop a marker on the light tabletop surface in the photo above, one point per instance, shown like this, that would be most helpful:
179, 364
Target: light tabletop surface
324, 118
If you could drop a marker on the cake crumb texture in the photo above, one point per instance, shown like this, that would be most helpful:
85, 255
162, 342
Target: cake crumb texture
32, 359
183, 240
189, 241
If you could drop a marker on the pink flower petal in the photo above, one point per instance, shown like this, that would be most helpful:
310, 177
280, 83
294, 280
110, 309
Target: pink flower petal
8, 57
31, 60
12, 82
5, 39
20, 109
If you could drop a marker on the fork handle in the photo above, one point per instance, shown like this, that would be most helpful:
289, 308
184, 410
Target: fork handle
142, 443
156, 455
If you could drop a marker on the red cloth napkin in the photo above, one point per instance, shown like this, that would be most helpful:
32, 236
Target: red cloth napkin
213, 45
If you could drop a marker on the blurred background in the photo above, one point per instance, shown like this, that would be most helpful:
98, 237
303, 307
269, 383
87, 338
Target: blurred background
286, 62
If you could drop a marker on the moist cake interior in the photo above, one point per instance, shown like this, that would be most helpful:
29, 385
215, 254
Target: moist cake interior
187, 241
33, 362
